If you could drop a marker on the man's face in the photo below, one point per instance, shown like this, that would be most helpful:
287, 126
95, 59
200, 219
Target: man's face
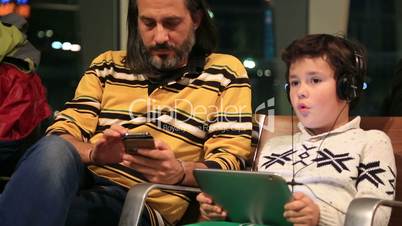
167, 32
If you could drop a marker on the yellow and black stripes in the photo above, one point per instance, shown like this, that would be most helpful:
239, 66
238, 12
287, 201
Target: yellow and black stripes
175, 123
72, 124
203, 117
84, 104
155, 218
218, 155
230, 125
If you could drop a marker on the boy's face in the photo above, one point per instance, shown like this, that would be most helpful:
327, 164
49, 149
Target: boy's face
313, 95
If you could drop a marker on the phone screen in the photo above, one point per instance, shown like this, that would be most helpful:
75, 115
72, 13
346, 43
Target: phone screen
134, 141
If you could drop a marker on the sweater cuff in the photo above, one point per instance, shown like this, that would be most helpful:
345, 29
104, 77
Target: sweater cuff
329, 216
212, 164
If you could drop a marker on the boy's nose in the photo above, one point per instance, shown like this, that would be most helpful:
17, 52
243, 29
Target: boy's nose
302, 91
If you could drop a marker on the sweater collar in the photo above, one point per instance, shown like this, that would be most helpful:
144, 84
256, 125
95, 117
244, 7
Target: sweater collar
194, 67
353, 124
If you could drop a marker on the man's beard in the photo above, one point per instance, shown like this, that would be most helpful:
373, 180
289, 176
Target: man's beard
168, 63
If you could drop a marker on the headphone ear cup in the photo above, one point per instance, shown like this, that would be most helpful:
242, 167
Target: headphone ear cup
341, 87
347, 88
287, 89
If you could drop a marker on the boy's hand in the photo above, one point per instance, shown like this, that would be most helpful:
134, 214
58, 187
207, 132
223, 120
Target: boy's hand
209, 210
302, 211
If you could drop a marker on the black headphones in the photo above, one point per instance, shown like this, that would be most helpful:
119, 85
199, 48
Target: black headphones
348, 85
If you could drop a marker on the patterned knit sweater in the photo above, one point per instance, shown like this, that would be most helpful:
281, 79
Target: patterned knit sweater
335, 167
202, 117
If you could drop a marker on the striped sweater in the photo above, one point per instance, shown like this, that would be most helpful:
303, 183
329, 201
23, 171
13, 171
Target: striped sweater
204, 117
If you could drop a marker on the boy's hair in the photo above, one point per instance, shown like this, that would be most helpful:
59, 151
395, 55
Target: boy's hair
348, 60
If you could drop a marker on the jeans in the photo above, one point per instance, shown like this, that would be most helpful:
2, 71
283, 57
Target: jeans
48, 189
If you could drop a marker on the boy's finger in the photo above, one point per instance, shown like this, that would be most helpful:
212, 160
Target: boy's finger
298, 195
204, 198
295, 205
292, 214
298, 220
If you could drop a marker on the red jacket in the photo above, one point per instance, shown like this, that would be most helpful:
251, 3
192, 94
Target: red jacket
23, 104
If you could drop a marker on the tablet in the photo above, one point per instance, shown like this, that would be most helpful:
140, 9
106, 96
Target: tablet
248, 197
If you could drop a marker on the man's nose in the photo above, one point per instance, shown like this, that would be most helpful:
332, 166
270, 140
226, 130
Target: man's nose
161, 35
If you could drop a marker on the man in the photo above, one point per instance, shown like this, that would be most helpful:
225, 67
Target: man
196, 105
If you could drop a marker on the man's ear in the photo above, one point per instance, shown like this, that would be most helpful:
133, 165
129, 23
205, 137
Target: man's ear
197, 18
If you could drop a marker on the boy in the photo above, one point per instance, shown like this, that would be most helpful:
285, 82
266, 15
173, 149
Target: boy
331, 159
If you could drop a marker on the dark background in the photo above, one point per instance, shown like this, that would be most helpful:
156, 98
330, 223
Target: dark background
249, 29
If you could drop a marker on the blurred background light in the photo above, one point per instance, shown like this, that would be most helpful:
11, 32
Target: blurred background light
56, 45
249, 63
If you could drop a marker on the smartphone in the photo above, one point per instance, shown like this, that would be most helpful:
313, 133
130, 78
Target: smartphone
134, 141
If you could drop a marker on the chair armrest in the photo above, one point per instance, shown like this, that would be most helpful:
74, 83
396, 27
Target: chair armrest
135, 200
361, 210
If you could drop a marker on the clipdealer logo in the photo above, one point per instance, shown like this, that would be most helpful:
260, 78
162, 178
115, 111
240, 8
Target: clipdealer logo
266, 108
167, 117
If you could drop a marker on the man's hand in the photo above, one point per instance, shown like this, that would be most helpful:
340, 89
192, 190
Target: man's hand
158, 165
209, 210
302, 211
109, 148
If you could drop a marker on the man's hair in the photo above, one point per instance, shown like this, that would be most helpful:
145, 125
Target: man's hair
205, 35
346, 58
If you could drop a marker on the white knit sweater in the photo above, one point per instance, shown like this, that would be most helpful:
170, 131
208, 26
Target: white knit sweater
335, 167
